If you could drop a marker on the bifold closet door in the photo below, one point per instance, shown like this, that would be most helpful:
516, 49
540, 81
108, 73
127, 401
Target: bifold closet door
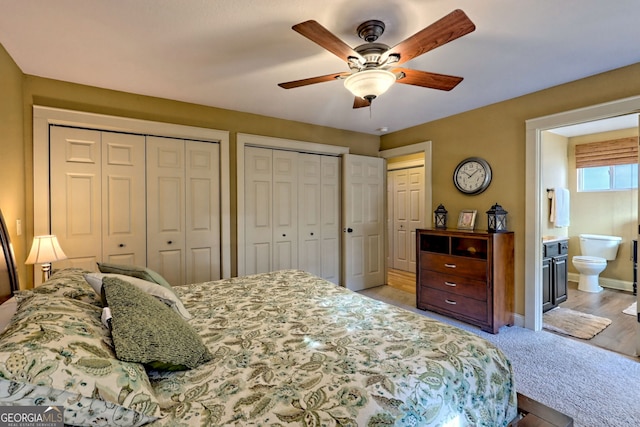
408, 215
166, 208
319, 216
202, 226
183, 209
271, 210
97, 184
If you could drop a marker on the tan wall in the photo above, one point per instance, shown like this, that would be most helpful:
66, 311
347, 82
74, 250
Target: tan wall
497, 133
603, 212
554, 173
12, 169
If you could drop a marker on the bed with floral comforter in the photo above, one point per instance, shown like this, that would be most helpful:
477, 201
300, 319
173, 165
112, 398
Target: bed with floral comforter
282, 349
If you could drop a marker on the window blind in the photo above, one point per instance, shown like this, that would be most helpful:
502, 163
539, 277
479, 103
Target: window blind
622, 151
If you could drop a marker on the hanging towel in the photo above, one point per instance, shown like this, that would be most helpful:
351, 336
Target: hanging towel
559, 207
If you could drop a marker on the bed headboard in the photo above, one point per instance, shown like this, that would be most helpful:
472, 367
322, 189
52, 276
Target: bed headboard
8, 273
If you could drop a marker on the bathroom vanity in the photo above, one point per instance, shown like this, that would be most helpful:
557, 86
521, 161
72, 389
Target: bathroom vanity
554, 272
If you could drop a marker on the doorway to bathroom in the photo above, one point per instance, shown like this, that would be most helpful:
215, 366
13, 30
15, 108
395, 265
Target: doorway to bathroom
551, 143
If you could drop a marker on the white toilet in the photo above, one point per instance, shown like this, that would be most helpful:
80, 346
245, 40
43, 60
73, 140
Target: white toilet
596, 250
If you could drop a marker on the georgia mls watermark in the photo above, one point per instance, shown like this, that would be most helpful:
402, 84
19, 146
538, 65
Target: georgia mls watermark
31, 416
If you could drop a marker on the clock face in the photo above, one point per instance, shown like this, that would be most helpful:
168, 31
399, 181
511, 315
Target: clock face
472, 175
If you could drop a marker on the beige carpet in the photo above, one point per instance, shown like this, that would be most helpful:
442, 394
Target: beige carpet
632, 309
574, 323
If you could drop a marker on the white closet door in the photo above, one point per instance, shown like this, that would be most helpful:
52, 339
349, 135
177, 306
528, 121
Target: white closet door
258, 210
363, 243
330, 208
310, 212
123, 199
166, 208
415, 211
202, 211
285, 210
76, 214
400, 219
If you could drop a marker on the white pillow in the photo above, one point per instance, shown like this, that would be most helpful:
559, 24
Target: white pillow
158, 291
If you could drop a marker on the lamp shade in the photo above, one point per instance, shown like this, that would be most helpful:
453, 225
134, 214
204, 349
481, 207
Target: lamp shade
368, 84
45, 249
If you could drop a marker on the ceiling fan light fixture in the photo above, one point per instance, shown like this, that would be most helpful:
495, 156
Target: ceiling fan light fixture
369, 84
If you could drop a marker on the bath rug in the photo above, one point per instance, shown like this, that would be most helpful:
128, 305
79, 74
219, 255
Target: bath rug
632, 309
574, 323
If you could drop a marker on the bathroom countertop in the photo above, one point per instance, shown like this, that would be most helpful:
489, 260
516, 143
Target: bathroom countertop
548, 239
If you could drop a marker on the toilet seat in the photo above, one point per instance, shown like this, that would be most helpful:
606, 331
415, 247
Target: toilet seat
589, 259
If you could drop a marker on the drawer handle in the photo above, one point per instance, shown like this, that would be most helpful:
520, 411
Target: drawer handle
448, 301
450, 265
450, 284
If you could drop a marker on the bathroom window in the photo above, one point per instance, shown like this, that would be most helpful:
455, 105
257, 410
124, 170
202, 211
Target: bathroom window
608, 178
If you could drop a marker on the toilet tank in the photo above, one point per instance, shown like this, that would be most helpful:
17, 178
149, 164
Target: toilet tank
599, 245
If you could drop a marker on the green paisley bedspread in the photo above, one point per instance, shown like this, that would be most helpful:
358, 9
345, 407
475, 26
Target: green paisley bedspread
291, 349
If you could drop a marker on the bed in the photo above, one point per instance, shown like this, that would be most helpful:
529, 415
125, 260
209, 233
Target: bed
278, 349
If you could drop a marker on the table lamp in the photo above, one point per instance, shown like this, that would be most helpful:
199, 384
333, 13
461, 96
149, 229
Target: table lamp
45, 250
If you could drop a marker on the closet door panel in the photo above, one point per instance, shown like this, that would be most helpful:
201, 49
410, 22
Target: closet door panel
330, 220
400, 219
166, 208
415, 211
258, 210
310, 213
76, 214
123, 199
203, 211
285, 210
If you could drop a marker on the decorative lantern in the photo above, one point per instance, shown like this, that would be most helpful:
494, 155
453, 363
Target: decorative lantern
441, 216
497, 219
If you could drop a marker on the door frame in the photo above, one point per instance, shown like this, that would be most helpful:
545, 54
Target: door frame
420, 147
43, 117
245, 139
534, 193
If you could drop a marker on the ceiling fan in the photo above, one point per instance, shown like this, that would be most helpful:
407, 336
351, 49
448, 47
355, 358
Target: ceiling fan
375, 66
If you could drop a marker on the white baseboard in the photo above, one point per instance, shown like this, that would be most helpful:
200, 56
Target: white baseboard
620, 285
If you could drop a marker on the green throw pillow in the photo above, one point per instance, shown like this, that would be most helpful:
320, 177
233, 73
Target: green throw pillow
146, 331
140, 272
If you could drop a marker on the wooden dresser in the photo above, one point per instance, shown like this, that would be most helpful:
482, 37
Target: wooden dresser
468, 275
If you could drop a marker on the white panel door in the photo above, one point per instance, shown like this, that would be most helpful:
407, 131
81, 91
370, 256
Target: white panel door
258, 210
401, 219
202, 212
285, 210
123, 199
310, 212
76, 214
330, 208
363, 225
166, 208
416, 214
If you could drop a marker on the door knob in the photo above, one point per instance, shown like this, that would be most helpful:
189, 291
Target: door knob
169, 242
349, 230
121, 245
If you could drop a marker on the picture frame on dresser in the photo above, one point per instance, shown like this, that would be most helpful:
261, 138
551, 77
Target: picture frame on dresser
467, 219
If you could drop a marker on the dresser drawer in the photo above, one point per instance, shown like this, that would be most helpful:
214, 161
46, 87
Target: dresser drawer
458, 285
467, 267
440, 300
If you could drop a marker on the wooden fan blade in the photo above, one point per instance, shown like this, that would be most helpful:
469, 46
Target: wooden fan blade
312, 80
426, 79
454, 25
323, 37
360, 102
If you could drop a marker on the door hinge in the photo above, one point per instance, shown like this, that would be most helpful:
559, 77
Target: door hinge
638, 317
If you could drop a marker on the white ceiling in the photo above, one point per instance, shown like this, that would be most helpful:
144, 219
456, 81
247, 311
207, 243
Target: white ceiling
232, 53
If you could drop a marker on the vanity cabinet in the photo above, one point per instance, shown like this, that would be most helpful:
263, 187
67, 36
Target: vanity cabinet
554, 273
467, 275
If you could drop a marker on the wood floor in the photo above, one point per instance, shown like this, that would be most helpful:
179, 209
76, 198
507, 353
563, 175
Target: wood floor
620, 336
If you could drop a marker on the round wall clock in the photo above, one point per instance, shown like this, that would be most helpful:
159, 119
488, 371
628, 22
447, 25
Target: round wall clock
472, 175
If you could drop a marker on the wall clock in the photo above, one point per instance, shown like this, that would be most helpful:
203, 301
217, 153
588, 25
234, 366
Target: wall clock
472, 175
